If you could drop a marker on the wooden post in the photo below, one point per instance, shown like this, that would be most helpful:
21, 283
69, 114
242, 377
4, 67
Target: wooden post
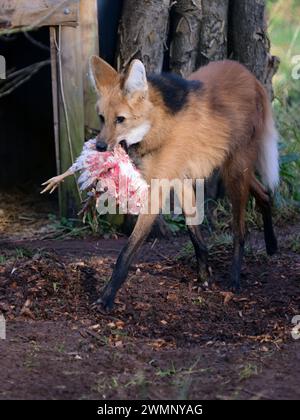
74, 99
70, 111
90, 46
54, 75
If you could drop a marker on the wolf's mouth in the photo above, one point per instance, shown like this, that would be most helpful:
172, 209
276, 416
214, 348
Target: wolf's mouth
123, 144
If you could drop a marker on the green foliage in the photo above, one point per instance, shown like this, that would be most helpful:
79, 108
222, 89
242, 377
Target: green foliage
94, 224
64, 227
23, 253
284, 31
294, 243
176, 223
2, 259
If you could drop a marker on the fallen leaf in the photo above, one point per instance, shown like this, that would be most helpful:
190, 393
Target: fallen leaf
227, 297
157, 344
142, 305
120, 324
95, 327
172, 296
27, 312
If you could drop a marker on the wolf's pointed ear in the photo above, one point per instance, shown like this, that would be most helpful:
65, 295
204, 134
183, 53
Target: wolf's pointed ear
102, 74
135, 79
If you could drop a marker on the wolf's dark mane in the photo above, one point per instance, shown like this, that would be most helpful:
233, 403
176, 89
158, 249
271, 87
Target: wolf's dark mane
174, 89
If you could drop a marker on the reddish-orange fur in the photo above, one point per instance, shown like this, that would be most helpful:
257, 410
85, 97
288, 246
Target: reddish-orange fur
220, 127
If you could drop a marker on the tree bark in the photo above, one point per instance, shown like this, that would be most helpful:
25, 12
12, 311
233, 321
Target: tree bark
249, 41
213, 43
143, 33
186, 19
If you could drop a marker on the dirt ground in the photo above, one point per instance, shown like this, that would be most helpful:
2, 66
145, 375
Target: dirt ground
165, 339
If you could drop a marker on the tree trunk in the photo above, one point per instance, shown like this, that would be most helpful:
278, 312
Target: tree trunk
249, 42
186, 22
213, 33
143, 32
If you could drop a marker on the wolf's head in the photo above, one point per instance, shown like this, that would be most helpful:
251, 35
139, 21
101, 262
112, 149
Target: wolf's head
123, 105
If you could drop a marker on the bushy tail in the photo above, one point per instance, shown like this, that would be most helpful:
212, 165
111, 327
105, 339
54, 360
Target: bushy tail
267, 163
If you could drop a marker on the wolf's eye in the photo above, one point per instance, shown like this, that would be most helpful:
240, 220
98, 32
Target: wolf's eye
120, 120
102, 119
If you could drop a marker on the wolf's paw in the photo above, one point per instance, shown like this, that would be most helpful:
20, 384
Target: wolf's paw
204, 277
272, 246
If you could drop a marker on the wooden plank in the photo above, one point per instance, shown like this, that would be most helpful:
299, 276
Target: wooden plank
90, 46
28, 14
54, 77
70, 113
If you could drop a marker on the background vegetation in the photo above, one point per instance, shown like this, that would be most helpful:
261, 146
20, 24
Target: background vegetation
284, 31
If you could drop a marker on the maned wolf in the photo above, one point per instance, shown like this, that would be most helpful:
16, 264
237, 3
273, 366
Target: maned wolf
174, 128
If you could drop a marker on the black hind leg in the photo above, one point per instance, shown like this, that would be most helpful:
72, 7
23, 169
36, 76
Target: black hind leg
264, 203
237, 183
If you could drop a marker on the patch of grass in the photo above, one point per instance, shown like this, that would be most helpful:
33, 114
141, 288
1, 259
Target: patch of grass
76, 228
61, 348
294, 244
31, 357
141, 383
248, 371
105, 225
23, 253
119, 333
138, 379
176, 223
3, 259
186, 252
182, 371
104, 384
183, 387
223, 239
64, 227
162, 373
198, 301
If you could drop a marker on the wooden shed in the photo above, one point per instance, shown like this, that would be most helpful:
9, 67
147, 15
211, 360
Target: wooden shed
43, 122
